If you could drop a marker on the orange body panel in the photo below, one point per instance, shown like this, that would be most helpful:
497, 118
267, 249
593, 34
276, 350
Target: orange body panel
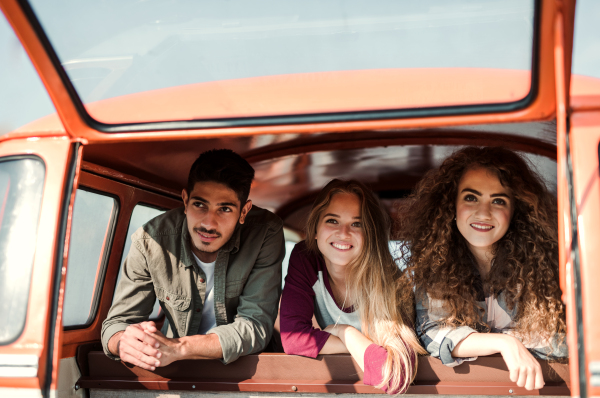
585, 93
310, 93
55, 153
585, 138
341, 91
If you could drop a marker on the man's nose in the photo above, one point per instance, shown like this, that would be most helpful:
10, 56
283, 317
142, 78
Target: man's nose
209, 221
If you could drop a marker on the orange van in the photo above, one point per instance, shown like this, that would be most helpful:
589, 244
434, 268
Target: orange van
104, 105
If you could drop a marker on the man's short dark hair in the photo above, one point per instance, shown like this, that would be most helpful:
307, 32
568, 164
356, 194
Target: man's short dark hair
225, 167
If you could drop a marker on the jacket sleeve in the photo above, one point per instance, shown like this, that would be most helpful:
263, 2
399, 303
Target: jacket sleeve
439, 341
252, 327
298, 335
134, 297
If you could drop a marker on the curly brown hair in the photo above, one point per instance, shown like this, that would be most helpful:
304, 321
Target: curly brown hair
525, 265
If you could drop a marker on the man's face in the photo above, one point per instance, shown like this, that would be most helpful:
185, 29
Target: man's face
213, 211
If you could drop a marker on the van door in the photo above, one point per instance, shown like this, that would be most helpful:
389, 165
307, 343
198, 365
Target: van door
37, 177
582, 204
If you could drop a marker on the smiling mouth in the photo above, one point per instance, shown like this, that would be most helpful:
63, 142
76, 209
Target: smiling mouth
341, 246
207, 237
482, 227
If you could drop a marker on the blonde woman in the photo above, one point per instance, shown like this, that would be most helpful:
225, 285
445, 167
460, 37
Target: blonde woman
344, 277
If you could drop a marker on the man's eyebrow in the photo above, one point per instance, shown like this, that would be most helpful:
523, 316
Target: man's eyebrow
227, 204
201, 199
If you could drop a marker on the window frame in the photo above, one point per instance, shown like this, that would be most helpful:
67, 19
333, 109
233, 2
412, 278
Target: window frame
103, 260
336, 117
129, 191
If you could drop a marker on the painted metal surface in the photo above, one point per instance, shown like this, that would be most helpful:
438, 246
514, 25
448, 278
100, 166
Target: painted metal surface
585, 141
296, 153
33, 342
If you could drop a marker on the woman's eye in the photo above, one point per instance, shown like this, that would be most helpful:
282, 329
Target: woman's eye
499, 201
470, 198
331, 221
357, 225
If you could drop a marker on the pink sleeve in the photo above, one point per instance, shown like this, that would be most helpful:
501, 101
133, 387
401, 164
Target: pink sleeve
297, 307
375, 357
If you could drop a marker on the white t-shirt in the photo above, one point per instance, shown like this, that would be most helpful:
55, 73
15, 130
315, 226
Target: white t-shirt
208, 312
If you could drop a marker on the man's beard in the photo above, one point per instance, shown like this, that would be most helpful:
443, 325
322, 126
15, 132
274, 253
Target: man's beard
206, 231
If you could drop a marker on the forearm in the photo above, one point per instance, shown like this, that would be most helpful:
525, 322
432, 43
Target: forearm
477, 344
333, 345
356, 343
200, 347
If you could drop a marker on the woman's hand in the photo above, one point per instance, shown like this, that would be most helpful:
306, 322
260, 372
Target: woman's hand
524, 369
356, 343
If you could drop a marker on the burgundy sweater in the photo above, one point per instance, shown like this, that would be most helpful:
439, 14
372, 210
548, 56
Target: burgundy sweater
299, 303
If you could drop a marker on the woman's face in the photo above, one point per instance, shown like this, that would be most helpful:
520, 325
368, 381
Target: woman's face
339, 231
483, 208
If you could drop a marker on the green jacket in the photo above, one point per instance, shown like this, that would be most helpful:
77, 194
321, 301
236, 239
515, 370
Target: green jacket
247, 282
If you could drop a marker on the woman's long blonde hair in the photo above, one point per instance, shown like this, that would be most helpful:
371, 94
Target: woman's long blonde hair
377, 286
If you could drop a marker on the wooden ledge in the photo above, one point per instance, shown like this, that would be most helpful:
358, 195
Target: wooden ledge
270, 372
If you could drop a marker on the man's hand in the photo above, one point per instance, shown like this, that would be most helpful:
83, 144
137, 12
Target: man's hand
170, 350
136, 346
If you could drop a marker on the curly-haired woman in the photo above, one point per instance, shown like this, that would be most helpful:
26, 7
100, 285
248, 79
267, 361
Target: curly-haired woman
344, 292
480, 242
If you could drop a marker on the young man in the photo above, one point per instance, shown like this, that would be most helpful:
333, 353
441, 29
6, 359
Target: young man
215, 266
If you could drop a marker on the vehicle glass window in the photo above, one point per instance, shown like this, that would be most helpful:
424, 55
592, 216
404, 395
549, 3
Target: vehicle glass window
91, 230
21, 187
141, 215
586, 39
23, 97
289, 246
140, 61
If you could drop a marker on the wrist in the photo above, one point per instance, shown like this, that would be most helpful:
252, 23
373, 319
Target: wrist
506, 342
113, 343
181, 348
